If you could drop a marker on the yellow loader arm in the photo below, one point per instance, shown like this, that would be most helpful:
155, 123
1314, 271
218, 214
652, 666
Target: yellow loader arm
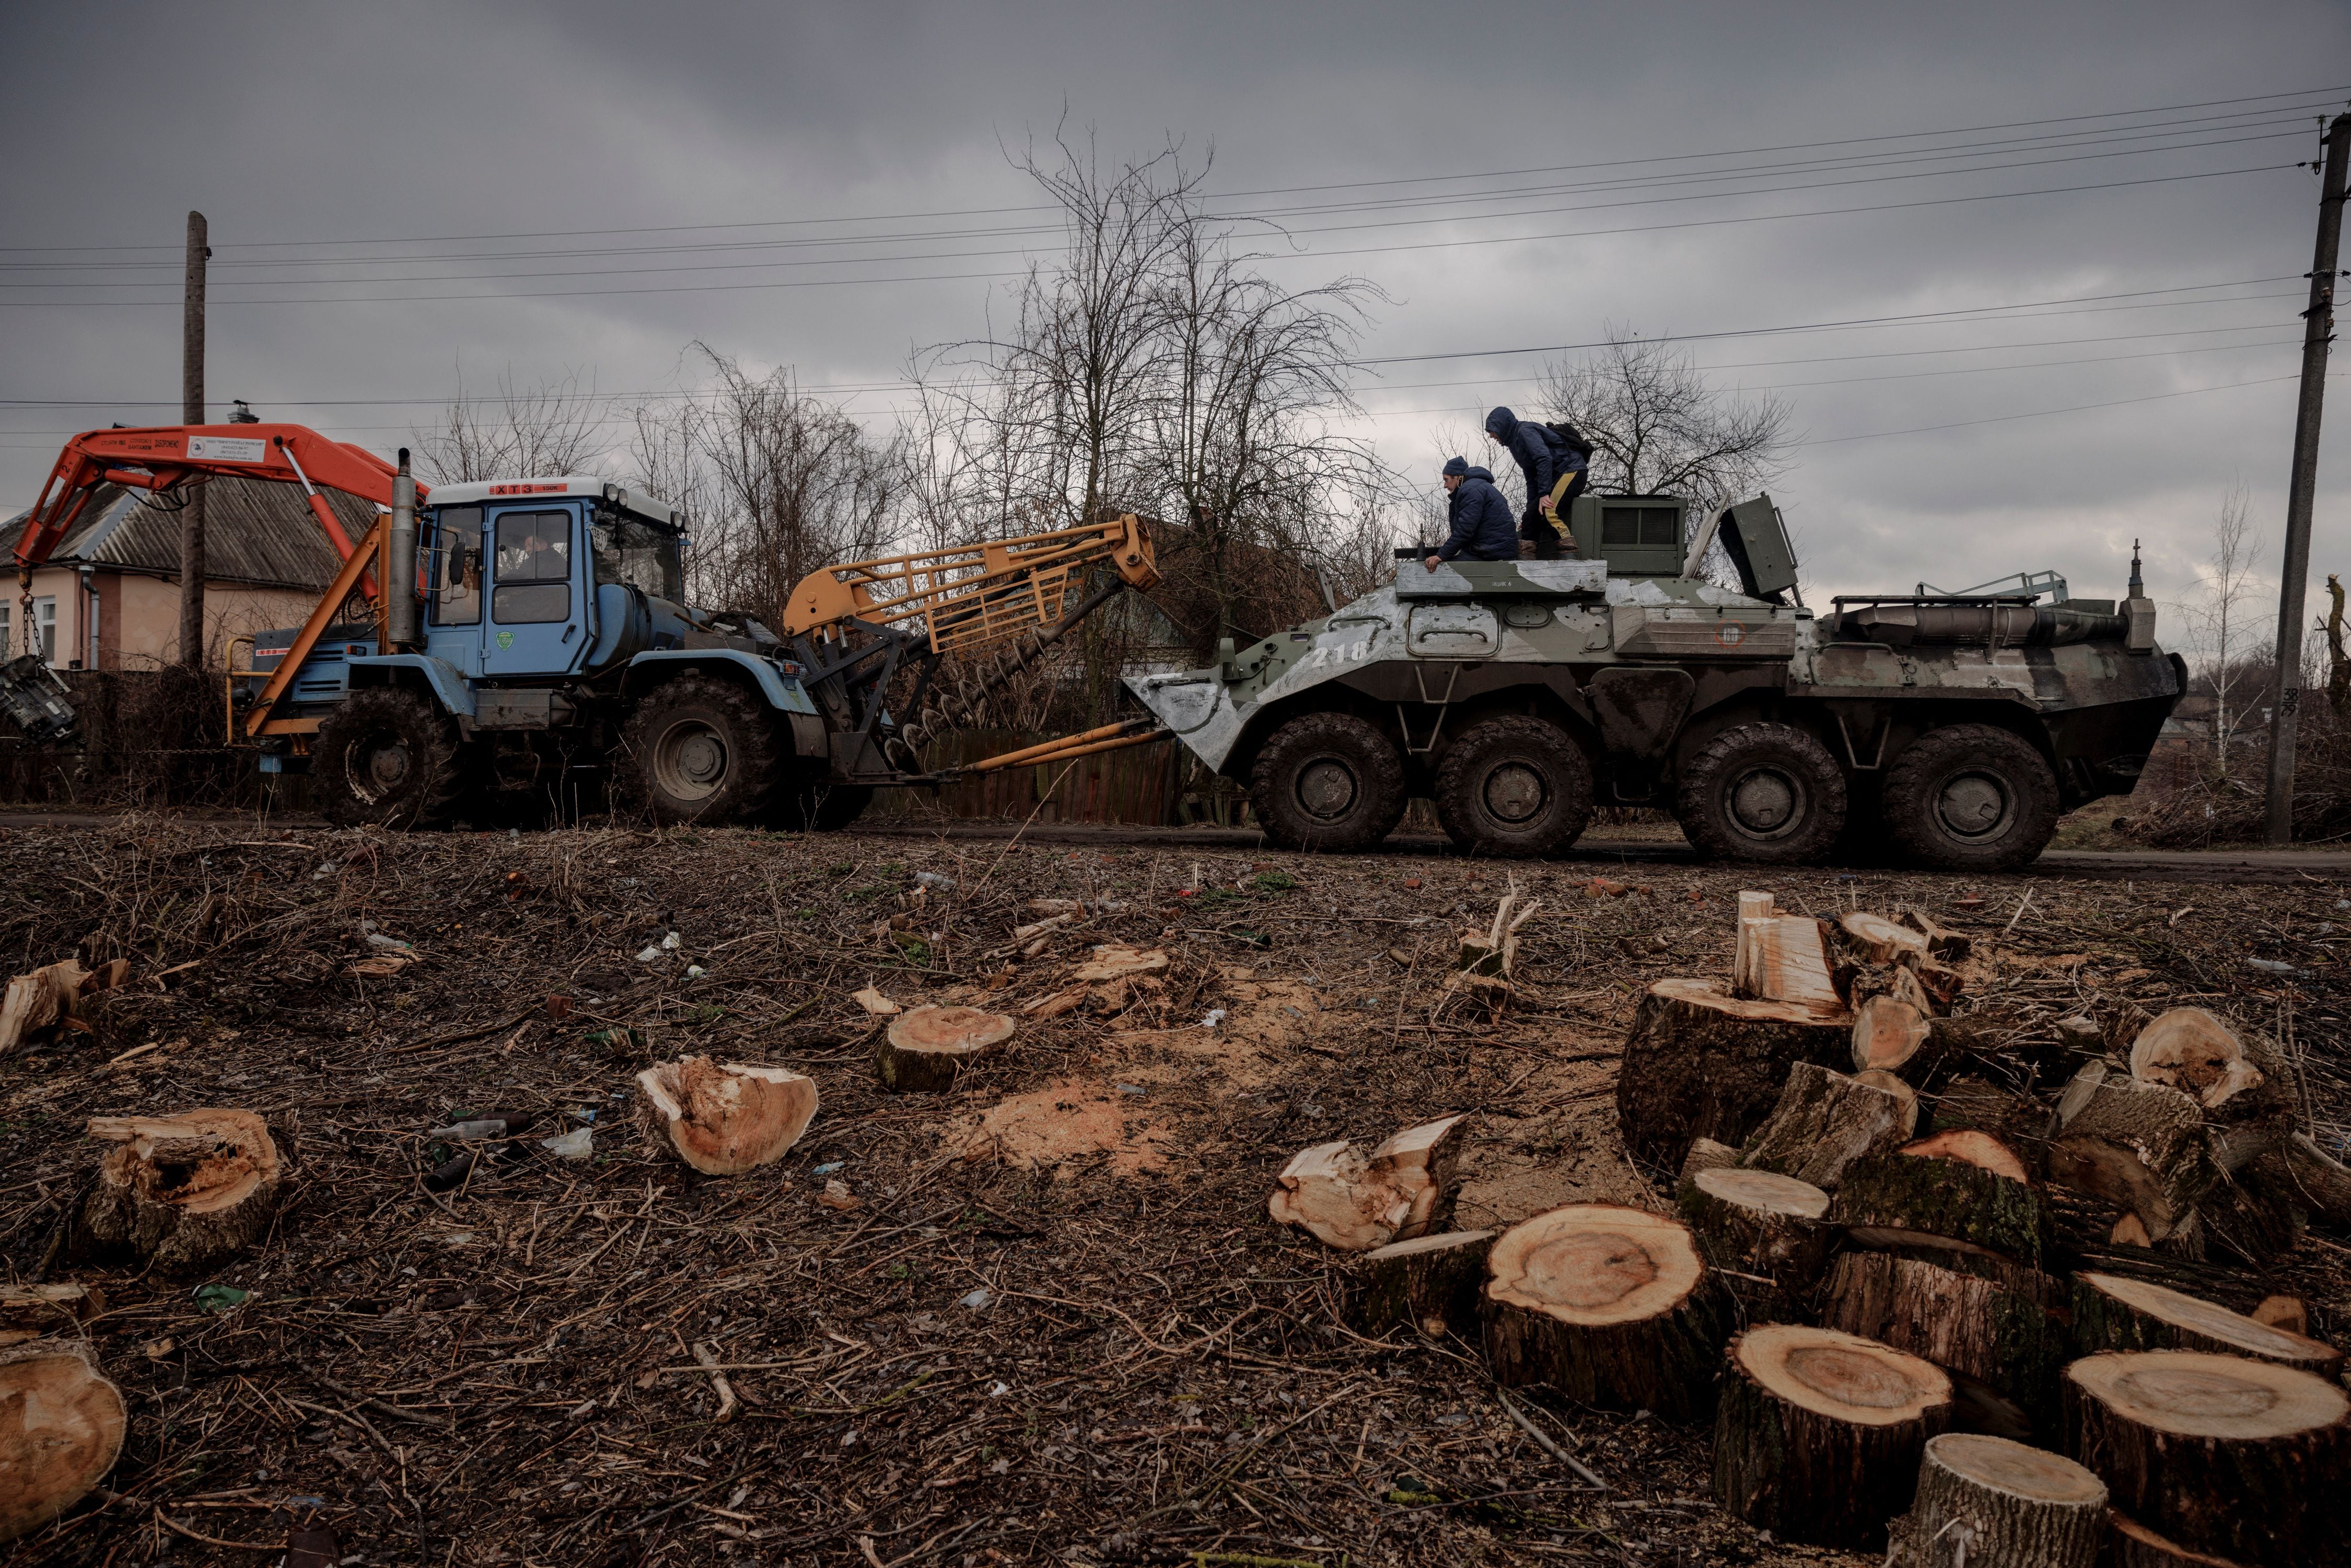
972, 597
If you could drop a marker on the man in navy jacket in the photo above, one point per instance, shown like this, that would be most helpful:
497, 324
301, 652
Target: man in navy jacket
1482, 527
1554, 473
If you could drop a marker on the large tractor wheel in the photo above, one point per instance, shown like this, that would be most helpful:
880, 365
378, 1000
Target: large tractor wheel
703, 751
388, 758
1763, 792
822, 807
1970, 798
1516, 786
1328, 782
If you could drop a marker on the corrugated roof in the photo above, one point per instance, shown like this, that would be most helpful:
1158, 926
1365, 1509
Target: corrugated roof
256, 531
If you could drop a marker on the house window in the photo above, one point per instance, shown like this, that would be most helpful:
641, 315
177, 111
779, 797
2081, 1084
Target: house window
44, 627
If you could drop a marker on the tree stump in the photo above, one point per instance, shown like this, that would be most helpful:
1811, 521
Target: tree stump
1706, 1155
1998, 1504
180, 1192
1877, 939
2000, 1340
61, 1427
1824, 1123
1701, 1064
2141, 1145
1430, 1282
1906, 1201
925, 1048
1764, 1235
2236, 1457
2189, 1050
2111, 1312
1891, 1034
725, 1119
1353, 1202
1819, 1434
2130, 1544
1610, 1306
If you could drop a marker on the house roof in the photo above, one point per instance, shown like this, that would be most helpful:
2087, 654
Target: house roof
256, 531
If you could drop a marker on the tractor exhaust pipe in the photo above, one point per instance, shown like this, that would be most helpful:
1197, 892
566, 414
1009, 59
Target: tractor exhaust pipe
399, 590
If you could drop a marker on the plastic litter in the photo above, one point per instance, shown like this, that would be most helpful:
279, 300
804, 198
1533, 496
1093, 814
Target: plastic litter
1215, 1019
219, 1298
978, 1299
695, 971
576, 1144
1133, 1089
829, 1167
672, 943
648, 955
934, 879
382, 943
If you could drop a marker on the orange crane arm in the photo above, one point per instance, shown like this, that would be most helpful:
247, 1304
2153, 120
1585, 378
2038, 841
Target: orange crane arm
973, 597
165, 456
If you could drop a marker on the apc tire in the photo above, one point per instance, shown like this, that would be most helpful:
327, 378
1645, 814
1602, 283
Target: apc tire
701, 751
1328, 782
387, 758
1514, 786
822, 807
1762, 792
1971, 797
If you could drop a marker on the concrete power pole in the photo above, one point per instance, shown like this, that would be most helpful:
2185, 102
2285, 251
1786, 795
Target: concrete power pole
192, 412
2317, 332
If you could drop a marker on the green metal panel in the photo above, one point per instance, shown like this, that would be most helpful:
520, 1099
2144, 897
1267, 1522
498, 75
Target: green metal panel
1637, 535
1757, 543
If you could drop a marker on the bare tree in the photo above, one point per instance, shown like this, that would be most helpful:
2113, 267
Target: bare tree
2226, 622
1658, 426
554, 428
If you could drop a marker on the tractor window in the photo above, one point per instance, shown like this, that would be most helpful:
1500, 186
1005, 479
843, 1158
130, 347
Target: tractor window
534, 571
640, 555
458, 601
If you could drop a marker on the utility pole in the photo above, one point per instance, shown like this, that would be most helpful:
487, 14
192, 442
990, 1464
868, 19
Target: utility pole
2317, 332
192, 412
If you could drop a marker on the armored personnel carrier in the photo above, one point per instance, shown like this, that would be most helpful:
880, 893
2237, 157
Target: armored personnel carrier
1518, 695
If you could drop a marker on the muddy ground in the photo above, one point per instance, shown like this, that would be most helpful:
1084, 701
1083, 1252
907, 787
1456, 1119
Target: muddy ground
1055, 1327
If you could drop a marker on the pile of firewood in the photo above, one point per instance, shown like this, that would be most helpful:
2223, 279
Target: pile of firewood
1928, 1251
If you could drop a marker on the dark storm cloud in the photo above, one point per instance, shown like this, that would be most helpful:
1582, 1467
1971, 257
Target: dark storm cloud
385, 122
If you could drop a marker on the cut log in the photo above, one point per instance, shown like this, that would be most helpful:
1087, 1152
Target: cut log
2285, 1312
1112, 962
2236, 1457
1924, 1204
1880, 1077
1820, 1433
1974, 1328
2323, 1183
2000, 1504
2189, 1050
1430, 1282
1706, 1155
726, 1118
1823, 1123
925, 1048
1972, 1148
1889, 1034
1942, 986
2079, 1091
1941, 941
876, 1004
1764, 1235
1751, 906
2080, 1034
2130, 1544
38, 1001
48, 1308
1786, 961
2139, 1145
61, 1426
213, 1195
2111, 1312
1610, 1306
1698, 1063
1353, 1202
1877, 939
1757, 905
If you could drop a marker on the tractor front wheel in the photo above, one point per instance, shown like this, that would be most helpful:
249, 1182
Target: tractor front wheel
1328, 782
387, 758
701, 751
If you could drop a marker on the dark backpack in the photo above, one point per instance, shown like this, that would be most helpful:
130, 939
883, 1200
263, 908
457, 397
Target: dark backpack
1566, 435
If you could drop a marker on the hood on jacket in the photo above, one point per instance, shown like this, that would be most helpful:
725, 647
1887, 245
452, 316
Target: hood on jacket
1500, 423
1485, 473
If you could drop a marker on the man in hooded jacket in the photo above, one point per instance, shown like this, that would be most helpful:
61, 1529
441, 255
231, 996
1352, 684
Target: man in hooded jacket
1481, 526
1554, 473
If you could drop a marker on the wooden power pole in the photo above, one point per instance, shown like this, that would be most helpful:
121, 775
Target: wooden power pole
2317, 332
192, 412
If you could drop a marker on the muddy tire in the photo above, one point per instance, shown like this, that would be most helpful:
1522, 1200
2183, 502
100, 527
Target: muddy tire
822, 807
700, 750
1970, 798
389, 758
1514, 786
1762, 792
1328, 782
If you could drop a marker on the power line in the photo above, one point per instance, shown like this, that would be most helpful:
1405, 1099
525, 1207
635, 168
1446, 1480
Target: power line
2044, 413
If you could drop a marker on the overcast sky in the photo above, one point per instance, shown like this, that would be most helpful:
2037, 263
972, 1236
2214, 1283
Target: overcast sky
406, 133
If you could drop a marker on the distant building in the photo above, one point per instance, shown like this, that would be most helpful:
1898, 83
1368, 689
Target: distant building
109, 597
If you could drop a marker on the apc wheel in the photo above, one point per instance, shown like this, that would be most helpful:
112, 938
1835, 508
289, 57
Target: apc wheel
1514, 786
824, 808
387, 758
1328, 782
1762, 792
1970, 798
701, 751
